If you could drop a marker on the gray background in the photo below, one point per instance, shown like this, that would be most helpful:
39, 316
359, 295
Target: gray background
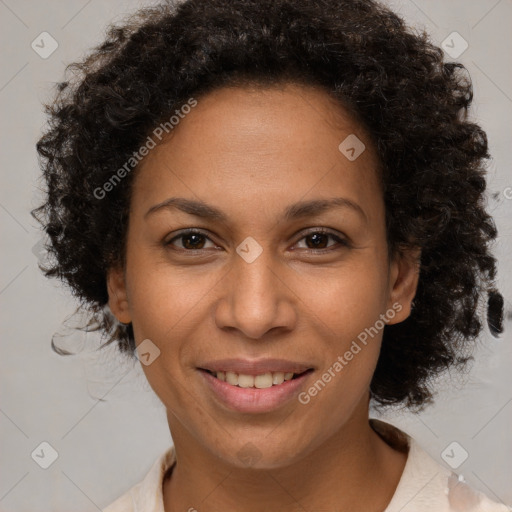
106, 446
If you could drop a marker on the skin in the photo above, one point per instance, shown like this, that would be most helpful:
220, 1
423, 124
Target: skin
251, 152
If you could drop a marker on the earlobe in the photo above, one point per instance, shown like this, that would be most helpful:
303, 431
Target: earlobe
117, 295
404, 275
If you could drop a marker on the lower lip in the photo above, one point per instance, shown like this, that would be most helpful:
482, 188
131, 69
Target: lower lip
254, 400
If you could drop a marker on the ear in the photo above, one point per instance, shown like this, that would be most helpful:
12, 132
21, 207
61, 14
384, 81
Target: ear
117, 295
404, 275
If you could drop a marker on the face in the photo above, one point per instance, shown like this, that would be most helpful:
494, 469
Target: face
285, 270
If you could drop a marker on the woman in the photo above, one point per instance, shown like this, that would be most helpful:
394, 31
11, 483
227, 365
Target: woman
250, 194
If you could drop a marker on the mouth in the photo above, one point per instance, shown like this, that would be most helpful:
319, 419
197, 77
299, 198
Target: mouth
254, 394
260, 381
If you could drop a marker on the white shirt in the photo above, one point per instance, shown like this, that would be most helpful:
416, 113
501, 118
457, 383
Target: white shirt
424, 486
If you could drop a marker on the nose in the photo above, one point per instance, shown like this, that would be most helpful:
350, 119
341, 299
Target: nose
256, 297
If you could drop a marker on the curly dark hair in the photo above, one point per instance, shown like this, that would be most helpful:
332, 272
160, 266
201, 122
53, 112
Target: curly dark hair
391, 78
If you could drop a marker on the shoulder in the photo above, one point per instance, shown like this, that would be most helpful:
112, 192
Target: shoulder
123, 504
426, 485
146, 496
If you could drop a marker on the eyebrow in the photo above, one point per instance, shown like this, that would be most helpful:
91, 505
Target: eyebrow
294, 211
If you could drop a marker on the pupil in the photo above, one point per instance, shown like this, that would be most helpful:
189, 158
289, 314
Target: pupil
316, 238
193, 244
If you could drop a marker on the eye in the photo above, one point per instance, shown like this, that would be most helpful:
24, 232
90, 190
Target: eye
190, 240
318, 240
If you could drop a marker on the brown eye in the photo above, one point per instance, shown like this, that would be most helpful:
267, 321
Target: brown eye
319, 240
193, 241
190, 240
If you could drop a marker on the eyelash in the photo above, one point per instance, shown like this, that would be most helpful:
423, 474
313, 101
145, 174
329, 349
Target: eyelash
341, 242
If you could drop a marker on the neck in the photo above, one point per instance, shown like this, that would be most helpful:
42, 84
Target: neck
352, 469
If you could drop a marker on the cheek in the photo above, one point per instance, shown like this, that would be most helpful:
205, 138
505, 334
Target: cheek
348, 299
166, 303
346, 313
162, 297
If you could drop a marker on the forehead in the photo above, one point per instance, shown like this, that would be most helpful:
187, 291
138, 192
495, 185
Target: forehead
262, 145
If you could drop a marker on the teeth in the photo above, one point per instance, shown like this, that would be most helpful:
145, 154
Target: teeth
232, 378
245, 381
278, 377
265, 380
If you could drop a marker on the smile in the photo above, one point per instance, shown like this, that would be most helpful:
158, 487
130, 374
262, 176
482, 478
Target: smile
262, 381
261, 393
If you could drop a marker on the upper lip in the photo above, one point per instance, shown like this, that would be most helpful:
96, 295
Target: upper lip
255, 366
